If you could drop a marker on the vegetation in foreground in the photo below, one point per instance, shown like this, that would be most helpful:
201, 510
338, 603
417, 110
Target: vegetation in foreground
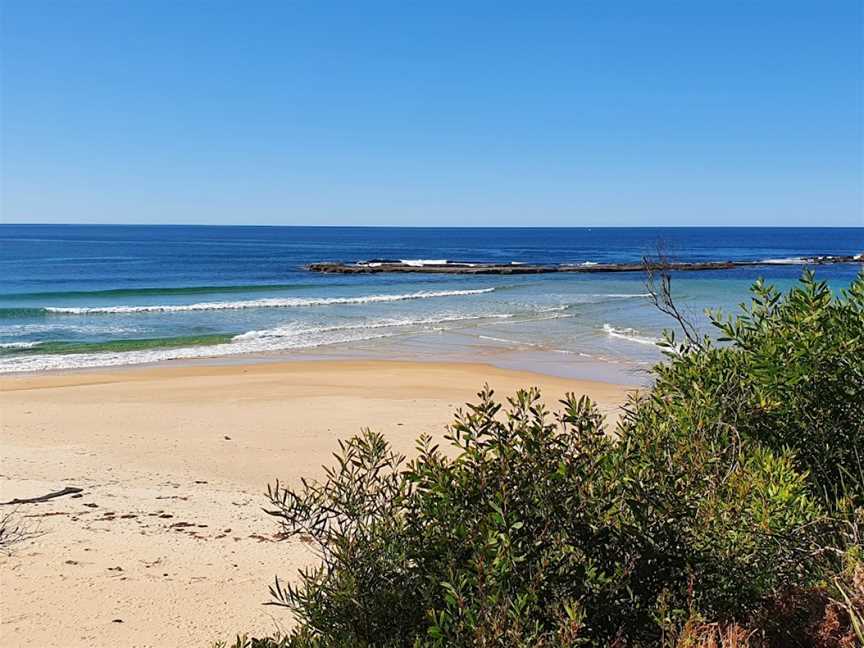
726, 508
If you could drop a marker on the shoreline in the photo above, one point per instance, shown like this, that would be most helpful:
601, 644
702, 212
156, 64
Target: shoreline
230, 365
543, 361
168, 544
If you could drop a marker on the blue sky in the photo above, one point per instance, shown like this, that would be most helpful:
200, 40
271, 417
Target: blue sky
644, 112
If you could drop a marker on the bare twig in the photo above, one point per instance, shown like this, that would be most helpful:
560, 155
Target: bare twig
658, 283
12, 532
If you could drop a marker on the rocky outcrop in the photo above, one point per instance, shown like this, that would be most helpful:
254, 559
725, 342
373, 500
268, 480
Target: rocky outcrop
456, 267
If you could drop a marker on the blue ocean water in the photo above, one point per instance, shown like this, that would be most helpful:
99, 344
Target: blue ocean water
88, 296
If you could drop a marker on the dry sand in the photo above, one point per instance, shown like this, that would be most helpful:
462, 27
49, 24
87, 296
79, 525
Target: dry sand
168, 545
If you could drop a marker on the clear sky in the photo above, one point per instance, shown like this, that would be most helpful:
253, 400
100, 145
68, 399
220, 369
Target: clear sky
315, 112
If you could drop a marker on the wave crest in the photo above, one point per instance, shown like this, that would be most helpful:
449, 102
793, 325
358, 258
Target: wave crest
263, 341
296, 331
629, 334
19, 345
275, 302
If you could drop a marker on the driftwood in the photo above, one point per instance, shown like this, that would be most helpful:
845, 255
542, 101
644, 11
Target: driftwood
69, 490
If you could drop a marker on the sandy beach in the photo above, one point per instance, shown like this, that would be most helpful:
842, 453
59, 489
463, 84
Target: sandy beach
167, 544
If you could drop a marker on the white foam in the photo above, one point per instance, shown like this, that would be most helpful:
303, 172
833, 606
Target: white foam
575, 300
785, 261
542, 318
263, 341
290, 302
629, 334
622, 295
113, 359
18, 345
419, 263
492, 338
294, 330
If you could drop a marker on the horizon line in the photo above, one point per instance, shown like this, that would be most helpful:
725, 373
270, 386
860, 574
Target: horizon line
465, 227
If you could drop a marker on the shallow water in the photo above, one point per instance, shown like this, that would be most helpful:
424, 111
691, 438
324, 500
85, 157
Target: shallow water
87, 296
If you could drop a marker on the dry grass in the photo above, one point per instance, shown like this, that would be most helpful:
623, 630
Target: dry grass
796, 618
715, 635
12, 532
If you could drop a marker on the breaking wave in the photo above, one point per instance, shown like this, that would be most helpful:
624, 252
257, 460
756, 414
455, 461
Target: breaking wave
18, 345
297, 330
785, 261
629, 334
275, 302
69, 355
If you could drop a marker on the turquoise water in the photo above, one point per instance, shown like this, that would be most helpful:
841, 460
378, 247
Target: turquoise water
91, 296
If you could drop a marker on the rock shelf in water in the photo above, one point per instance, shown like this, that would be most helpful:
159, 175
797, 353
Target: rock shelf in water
463, 267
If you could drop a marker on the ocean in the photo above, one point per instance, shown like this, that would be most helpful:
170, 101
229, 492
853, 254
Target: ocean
79, 296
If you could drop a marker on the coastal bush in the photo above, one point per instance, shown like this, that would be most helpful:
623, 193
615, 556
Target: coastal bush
790, 376
728, 497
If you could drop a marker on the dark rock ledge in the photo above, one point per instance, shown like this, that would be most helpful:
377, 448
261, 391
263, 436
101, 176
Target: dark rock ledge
461, 267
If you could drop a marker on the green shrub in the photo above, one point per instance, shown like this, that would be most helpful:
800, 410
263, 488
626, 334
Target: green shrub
366, 590
720, 488
791, 377
243, 641
538, 532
